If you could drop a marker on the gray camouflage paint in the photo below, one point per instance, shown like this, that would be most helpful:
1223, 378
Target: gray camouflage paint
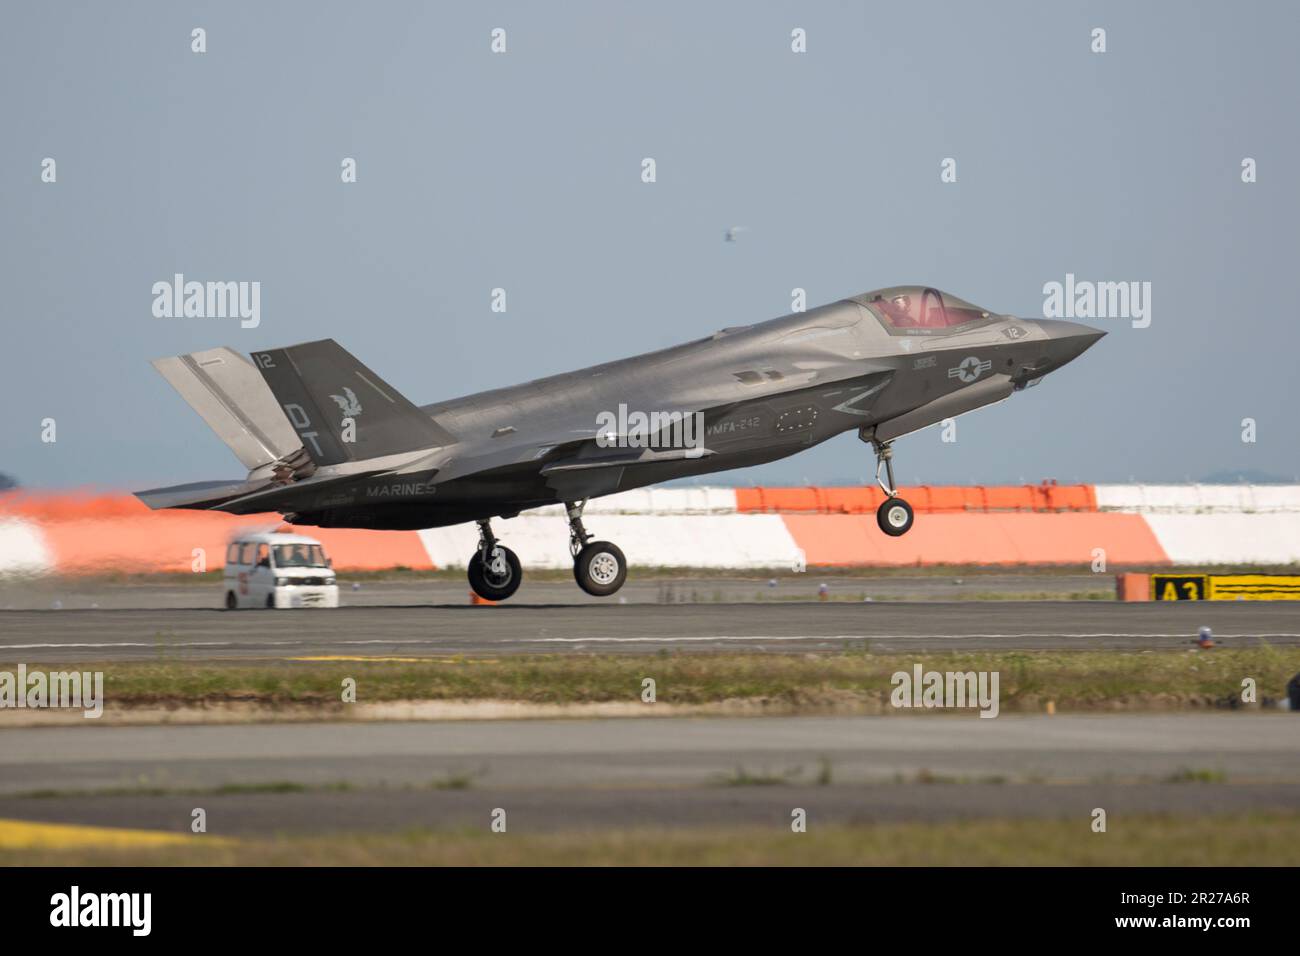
765, 391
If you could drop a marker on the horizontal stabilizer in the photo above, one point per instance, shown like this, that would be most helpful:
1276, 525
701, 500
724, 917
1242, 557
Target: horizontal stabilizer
290, 497
200, 495
227, 391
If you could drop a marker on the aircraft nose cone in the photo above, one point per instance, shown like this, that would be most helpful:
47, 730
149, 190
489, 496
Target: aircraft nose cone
1068, 340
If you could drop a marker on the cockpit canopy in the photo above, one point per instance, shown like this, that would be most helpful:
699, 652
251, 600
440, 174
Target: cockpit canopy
919, 310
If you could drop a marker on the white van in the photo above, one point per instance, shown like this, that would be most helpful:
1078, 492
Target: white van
278, 570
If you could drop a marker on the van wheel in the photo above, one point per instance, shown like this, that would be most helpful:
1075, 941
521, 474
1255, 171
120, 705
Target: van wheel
231, 601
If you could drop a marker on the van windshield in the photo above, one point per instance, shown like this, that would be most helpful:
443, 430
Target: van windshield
299, 556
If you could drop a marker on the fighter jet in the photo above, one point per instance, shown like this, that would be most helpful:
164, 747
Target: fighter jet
327, 442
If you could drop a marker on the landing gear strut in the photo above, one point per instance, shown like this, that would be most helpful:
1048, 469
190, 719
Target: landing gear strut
598, 566
894, 516
494, 570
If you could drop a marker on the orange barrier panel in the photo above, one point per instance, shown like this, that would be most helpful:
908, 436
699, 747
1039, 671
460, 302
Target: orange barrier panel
992, 538
70, 506
949, 499
1072, 497
1133, 587
849, 501
117, 533
924, 499
1002, 498
168, 544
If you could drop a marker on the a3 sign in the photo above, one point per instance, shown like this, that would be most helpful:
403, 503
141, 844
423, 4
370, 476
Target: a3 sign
1225, 587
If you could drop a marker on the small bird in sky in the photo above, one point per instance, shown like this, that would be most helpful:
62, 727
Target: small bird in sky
733, 232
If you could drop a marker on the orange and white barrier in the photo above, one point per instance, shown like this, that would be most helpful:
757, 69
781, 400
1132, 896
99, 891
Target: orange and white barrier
22, 548
988, 538
657, 540
81, 533
1199, 499
924, 499
1148, 525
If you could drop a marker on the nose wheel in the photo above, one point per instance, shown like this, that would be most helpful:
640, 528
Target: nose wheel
494, 571
598, 566
894, 516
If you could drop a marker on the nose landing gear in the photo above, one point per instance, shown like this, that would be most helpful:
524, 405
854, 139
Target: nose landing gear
598, 566
894, 516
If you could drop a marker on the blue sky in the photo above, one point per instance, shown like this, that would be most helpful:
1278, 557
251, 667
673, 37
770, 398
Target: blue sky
522, 171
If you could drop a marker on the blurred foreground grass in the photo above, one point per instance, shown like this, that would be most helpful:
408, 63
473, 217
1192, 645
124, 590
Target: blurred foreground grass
1252, 840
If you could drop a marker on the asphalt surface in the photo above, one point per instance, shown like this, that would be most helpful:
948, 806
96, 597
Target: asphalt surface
377, 811
647, 771
650, 750
309, 778
107, 635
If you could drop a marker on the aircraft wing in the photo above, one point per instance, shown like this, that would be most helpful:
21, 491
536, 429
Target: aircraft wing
623, 457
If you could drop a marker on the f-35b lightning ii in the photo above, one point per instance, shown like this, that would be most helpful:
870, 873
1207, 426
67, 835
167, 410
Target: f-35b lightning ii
327, 442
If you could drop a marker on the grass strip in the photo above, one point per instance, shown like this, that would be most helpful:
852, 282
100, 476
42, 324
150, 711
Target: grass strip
1081, 679
1261, 839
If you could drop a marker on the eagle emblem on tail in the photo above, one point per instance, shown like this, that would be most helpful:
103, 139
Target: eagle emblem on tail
347, 403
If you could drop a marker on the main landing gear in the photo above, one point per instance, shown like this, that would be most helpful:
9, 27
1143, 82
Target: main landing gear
894, 516
494, 570
598, 566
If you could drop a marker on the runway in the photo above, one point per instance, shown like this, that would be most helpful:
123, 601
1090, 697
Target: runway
534, 811
557, 774
194, 634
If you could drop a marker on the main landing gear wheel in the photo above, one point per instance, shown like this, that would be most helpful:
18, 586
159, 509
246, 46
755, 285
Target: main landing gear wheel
494, 570
894, 517
499, 578
600, 568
